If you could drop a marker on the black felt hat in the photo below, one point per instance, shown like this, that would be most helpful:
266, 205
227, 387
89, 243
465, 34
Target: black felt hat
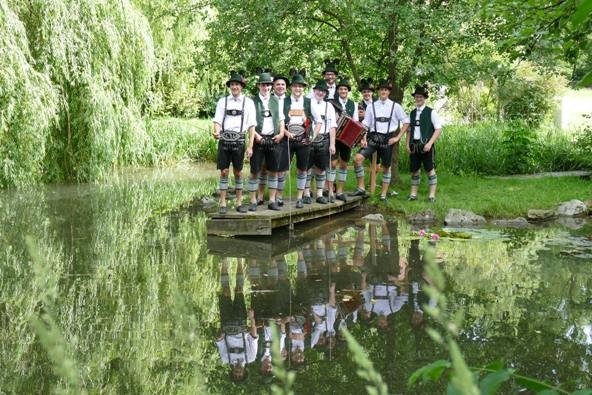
385, 83
278, 77
331, 66
366, 84
237, 76
298, 77
321, 85
265, 78
421, 90
344, 82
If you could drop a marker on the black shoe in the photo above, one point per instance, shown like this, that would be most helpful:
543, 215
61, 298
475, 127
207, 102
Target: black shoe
280, 202
253, 207
259, 203
412, 197
332, 199
358, 192
222, 210
432, 199
322, 200
273, 206
342, 197
325, 192
241, 209
307, 200
299, 203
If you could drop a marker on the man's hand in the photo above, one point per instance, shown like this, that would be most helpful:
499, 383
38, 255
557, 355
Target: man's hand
332, 150
289, 135
364, 143
216, 134
408, 147
258, 138
427, 147
277, 138
251, 314
249, 152
395, 139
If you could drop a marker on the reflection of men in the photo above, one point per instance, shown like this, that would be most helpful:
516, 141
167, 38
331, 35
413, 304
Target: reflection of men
417, 278
324, 320
237, 343
297, 336
266, 365
382, 297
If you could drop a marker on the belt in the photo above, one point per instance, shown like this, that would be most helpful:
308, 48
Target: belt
234, 112
383, 119
236, 350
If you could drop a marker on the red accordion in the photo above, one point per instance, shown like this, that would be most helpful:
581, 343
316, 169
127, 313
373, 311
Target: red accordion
349, 131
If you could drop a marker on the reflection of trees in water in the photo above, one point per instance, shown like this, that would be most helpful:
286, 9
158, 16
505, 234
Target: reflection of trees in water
134, 304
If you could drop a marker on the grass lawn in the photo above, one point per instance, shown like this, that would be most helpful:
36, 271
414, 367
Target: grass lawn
492, 198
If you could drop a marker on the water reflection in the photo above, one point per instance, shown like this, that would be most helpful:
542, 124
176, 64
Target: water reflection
145, 302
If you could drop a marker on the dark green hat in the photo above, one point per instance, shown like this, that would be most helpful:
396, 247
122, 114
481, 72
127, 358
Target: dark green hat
420, 90
298, 79
322, 86
366, 84
278, 77
265, 78
385, 84
331, 66
236, 76
343, 82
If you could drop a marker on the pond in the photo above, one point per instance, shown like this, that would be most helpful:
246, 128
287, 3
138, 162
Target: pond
116, 288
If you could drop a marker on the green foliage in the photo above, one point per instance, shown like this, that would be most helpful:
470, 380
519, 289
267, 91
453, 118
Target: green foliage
518, 146
28, 105
85, 69
376, 386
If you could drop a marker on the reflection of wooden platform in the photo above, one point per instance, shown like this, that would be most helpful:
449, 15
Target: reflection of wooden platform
262, 221
281, 243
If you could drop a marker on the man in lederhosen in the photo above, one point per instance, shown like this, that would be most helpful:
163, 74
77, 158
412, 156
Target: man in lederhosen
330, 74
382, 118
280, 84
323, 142
343, 154
235, 114
421, 138
367, 89
265, 140
299, 131
237, 342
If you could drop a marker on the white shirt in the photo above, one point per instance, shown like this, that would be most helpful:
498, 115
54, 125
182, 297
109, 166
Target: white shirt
344, 102
236, 341
233, 122
323, 109
435, 121
268, 339
267, 127
297, 104
374, 299
384, 109
297, 343
327, 314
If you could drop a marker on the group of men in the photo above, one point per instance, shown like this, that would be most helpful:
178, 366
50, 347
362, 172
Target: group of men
279, 127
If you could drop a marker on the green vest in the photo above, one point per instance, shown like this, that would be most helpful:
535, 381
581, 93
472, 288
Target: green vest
307, 110
426, 127
273, 108
350, 107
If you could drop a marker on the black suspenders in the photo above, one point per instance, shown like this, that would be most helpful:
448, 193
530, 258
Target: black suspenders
228, 348
388, 128
242, 113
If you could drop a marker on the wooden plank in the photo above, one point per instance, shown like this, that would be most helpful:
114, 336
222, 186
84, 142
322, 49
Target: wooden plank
280, 243
262, 221
246, 226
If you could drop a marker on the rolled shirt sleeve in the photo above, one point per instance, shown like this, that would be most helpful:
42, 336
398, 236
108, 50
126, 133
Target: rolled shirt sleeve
400, 113
436, 120
219, 115
369, 118
356, 116
250, 114
331, 117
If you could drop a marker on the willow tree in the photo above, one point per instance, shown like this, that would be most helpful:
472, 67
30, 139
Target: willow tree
96, 58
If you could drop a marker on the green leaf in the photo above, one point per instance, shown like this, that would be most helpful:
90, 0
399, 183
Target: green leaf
532, 384
496, 365
586, 81
491, 383
548, 392
582, 13
582, 392
432, 371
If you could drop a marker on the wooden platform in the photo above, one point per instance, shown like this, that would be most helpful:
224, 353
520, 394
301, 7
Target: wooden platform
263, 221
